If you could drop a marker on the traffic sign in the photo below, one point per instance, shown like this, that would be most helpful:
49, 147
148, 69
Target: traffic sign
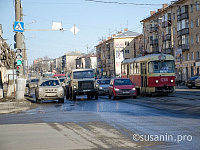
18, 26
74, 30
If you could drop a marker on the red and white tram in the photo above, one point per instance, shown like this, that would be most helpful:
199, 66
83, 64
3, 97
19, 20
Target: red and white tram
151, 74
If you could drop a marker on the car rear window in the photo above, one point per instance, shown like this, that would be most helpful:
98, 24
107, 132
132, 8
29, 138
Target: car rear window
193, 78
123, 82
103, 81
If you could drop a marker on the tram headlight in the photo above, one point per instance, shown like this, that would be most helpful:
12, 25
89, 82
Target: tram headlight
156, 81
172, 81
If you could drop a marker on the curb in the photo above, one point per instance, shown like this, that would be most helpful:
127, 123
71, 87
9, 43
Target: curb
15, 107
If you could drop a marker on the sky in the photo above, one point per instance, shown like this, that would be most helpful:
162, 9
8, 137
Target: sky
95, 20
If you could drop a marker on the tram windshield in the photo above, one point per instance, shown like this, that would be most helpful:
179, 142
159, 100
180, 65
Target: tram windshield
161, 66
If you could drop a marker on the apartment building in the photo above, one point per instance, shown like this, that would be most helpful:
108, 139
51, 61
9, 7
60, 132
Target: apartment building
69, 61
58, 65
86, 61
175, 30
112, 51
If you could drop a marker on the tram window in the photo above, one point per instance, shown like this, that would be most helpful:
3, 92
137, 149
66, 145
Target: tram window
134, 69
161, 66
138, 67
131, 68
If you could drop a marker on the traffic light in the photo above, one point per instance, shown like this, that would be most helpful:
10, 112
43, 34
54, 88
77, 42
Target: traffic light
18, 57
17, 70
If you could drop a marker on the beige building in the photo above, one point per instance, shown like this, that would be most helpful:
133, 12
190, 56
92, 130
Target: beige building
111, 52
69, 61
175, 30
87, 61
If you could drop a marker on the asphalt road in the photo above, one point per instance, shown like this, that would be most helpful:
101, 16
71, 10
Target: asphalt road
161, 122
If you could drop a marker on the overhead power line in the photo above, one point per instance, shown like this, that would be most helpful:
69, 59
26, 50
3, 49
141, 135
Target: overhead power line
123, 3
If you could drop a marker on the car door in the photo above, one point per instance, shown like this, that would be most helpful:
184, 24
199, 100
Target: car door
197, 81
110, 88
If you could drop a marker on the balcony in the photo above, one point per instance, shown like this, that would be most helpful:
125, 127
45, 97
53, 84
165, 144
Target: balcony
167, 37
166, 23
108, 56
185, 47
185, 31
99, 66
168, 50
179, 18
108, 48
179, 32
153, 29
108, 61
184, 16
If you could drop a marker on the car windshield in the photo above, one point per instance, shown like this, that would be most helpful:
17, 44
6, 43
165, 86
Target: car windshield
50, 83
103, 81
61, 80
83, 74
123, 82
34, 80
161, 66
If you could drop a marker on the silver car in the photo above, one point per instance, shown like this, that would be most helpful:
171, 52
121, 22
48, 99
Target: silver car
103, 86
49, 89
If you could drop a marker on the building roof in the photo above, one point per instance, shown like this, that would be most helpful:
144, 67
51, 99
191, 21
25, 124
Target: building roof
162, 10
74, 54
127, 34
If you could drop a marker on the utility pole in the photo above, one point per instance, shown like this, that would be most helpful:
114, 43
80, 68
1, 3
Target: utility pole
18, 17
20, 81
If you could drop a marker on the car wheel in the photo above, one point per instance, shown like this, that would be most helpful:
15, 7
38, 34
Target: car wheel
61, 100
109, 96
88, 96
134, 97
113, 96
96, 96
38, 101
67, 93
73, 96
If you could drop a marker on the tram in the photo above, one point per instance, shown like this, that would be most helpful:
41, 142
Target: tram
152, 74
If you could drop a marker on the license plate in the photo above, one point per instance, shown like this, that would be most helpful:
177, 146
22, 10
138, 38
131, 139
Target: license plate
125, 92
51, 94
86, 90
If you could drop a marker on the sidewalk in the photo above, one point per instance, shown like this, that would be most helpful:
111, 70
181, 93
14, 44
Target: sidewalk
11, 105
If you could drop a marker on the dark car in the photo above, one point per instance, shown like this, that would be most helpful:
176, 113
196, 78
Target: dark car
121, 87
191, 82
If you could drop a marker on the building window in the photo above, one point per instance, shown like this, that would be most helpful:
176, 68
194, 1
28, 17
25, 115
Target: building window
197, 38
126, 51
197, 22
197, 55
174, 31
179, 26
185, 39
183, 57
197, 6
173, 16
191, 23
192, 40
126, 43
191, 8
187, 56
192, 55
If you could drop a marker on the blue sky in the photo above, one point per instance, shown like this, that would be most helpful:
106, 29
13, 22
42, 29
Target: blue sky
94, 21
